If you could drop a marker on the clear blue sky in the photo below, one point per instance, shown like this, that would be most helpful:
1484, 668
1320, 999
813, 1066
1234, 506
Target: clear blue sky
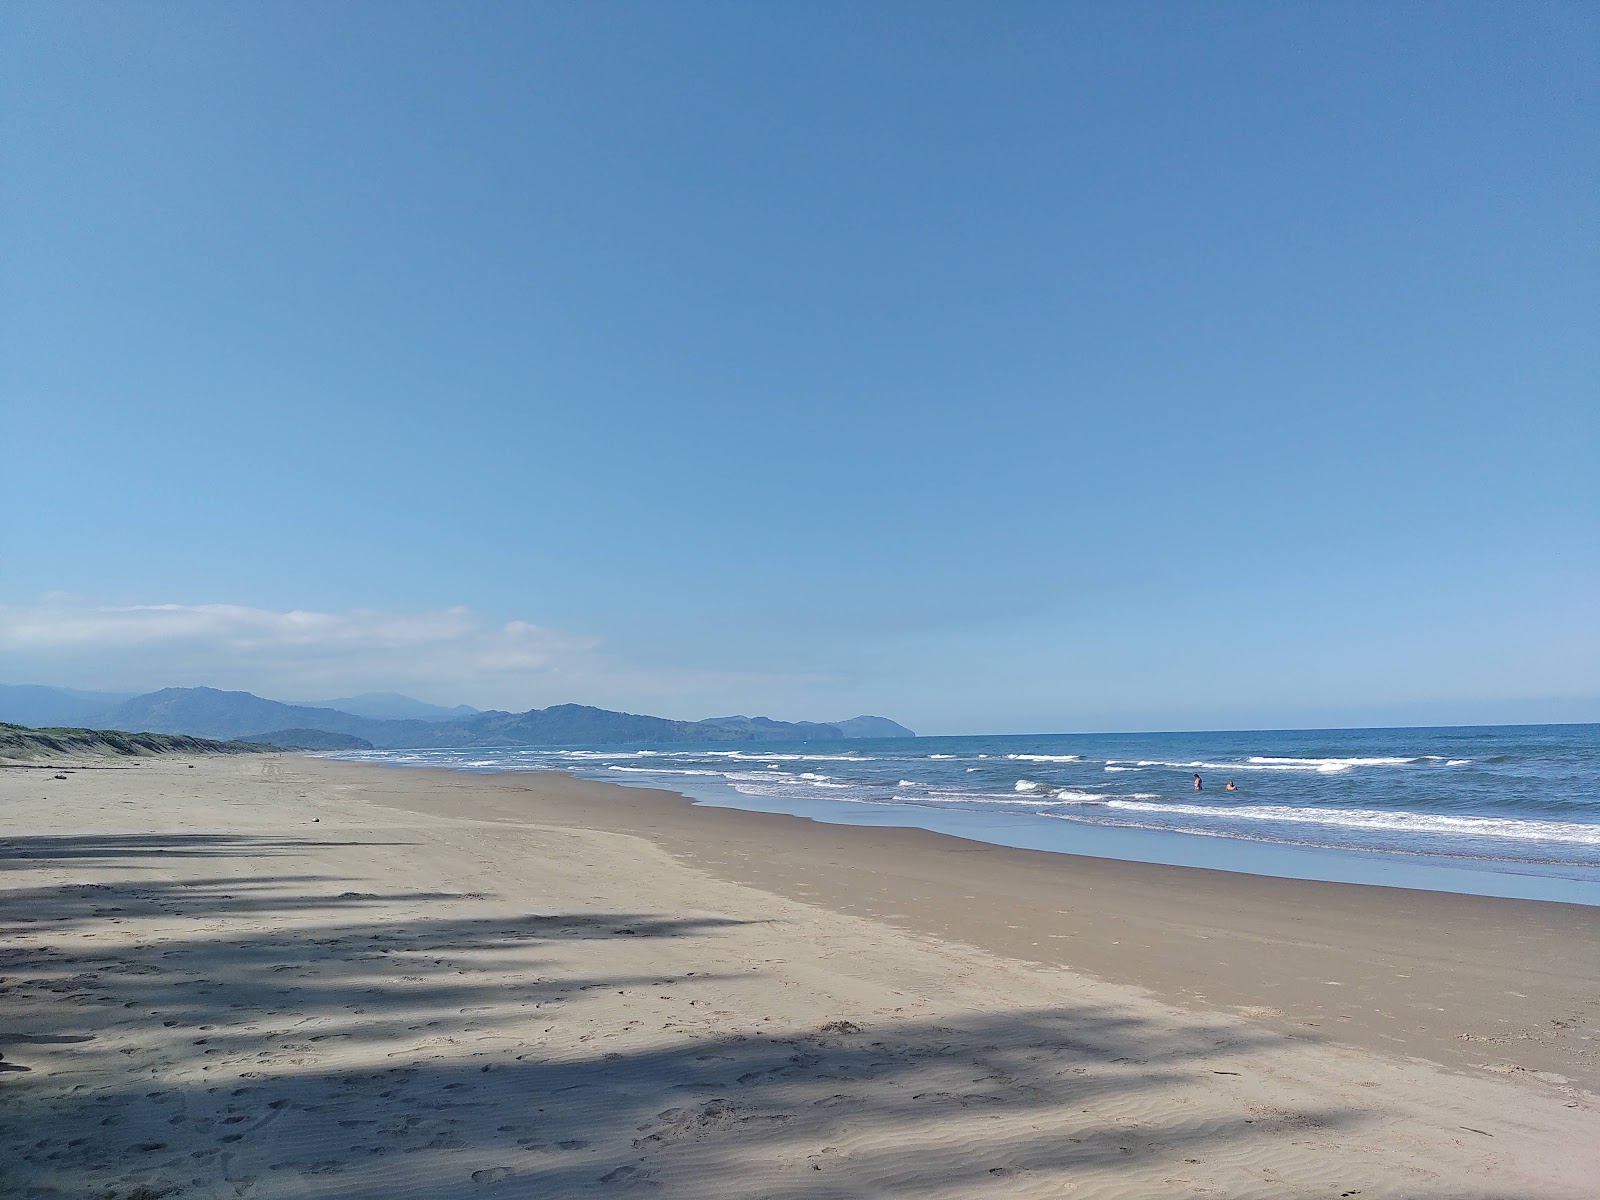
993, 367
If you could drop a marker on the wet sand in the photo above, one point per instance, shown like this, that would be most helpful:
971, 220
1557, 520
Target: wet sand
285, 977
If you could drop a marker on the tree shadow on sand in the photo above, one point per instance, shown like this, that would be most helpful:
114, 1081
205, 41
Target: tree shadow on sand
126, 850
289, 1041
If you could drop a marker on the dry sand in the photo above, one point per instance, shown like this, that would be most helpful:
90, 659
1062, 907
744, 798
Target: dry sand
276, 977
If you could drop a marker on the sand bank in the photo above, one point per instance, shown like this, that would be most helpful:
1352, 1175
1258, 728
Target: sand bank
282, 977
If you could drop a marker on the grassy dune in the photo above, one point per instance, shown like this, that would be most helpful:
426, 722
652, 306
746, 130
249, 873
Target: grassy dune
20, 742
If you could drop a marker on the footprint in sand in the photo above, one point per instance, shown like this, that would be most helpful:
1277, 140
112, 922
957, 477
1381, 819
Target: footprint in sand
625, 1175
491, 1175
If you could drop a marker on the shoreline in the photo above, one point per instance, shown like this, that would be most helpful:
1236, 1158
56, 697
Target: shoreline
1454, 978
1229, 853
1495, 812
286, 978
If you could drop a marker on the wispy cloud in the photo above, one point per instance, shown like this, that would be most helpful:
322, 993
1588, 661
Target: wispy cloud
452, 655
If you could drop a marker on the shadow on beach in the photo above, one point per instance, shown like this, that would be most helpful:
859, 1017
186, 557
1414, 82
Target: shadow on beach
275, 1035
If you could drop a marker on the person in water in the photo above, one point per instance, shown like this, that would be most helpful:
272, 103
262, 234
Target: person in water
1197, 784
1232, 786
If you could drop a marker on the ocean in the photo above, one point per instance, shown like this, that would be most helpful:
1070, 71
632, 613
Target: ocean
1495, 810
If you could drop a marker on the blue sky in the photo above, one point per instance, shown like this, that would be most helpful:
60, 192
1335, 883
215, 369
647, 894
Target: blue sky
997, 368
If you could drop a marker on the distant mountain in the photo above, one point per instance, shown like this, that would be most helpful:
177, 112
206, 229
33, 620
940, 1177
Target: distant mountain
872, 727
35, 705
765, 729
581, 725
391, 706
309, 739
207, 712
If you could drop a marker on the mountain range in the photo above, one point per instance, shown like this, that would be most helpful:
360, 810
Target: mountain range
37, 706
390, 706
390, 721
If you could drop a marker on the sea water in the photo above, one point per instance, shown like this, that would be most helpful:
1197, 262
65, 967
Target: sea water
1495, 810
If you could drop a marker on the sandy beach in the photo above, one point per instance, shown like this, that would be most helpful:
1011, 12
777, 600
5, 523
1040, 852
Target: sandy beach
283, 977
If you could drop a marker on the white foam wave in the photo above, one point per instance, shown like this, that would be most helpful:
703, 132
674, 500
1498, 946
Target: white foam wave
1329, 766
941, 756
742, 756
586, 755
1321, 766
763, 776
661, 771
1027, 785
1564, 832
1046, 757
971, 798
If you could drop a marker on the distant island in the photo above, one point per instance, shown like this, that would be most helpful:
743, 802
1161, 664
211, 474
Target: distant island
241, 716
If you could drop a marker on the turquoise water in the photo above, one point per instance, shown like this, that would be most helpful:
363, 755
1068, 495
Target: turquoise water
1500, 810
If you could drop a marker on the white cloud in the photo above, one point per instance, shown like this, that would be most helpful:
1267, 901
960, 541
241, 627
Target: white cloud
448, 656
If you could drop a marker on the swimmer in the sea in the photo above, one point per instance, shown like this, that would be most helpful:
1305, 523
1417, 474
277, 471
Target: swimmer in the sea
1232, 786
1197, 784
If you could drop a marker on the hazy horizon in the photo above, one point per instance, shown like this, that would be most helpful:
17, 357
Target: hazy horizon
1529, 712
